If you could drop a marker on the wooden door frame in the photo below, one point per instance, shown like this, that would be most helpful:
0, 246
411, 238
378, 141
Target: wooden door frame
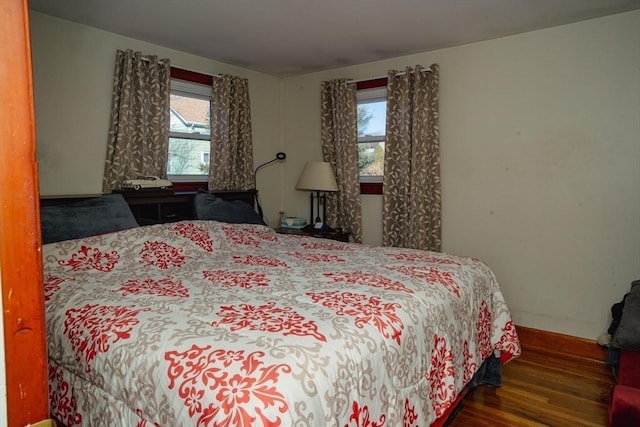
25, 358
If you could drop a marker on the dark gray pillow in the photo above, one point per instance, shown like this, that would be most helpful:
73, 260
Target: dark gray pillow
90, 217
627, 336
211, 207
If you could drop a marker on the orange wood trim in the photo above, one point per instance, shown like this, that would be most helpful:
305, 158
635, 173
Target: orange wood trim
20, 256
582, 347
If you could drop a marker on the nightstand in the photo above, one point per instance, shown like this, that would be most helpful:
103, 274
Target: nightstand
333, 235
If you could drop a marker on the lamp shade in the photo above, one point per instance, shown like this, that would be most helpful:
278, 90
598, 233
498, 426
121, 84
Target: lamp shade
317, 176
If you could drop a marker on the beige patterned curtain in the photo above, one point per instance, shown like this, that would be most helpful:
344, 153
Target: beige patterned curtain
411, 193
138, 137
340, 148
231, 166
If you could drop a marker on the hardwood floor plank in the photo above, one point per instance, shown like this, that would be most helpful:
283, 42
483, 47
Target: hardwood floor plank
542, 388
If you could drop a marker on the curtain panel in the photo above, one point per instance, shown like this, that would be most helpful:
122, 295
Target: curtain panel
411, 188
138, 138
231, 166
340, 148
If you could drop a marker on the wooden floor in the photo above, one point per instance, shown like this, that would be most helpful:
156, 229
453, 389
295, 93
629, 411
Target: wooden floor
542, 388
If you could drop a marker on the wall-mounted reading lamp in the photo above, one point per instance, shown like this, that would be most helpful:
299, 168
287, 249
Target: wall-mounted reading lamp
279, 157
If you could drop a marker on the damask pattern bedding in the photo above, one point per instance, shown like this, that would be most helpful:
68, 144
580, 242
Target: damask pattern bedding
211, 324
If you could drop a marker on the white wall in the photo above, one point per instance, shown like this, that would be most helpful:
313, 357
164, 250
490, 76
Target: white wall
73, 75
540, 149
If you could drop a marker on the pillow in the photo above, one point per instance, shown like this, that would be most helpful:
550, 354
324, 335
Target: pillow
84, 218
627, 336
211, 207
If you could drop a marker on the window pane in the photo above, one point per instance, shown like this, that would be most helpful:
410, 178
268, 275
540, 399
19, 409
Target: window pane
372, 118
371, 159
190, 115
188, 157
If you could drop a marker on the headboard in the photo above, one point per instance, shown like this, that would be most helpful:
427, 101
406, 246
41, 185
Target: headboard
158, 206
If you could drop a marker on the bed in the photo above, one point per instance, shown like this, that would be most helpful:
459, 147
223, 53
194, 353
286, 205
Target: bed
210, 323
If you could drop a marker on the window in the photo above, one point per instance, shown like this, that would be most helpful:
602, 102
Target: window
372, 112
189, 131
371, 121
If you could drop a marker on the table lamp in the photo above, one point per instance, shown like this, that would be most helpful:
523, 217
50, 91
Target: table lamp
317, 177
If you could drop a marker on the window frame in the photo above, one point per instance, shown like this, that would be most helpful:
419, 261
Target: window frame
185, 79
371, 89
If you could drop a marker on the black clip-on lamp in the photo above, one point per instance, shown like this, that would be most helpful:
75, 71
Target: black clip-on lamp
279, 156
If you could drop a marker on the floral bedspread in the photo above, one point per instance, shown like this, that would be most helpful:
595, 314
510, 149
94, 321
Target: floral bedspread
210, 324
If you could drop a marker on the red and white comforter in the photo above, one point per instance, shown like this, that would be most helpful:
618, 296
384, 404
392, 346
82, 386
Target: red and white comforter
210, 324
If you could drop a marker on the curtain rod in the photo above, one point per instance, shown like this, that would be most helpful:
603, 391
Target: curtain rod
425, 70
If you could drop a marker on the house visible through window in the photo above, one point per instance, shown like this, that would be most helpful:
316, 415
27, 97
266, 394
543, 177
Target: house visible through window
205, 157
372, 114
189, 131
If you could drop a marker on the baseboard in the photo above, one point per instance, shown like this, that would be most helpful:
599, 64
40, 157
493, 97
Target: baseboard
576, 346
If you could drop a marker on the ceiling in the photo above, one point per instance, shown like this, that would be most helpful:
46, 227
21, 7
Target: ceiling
290, 37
